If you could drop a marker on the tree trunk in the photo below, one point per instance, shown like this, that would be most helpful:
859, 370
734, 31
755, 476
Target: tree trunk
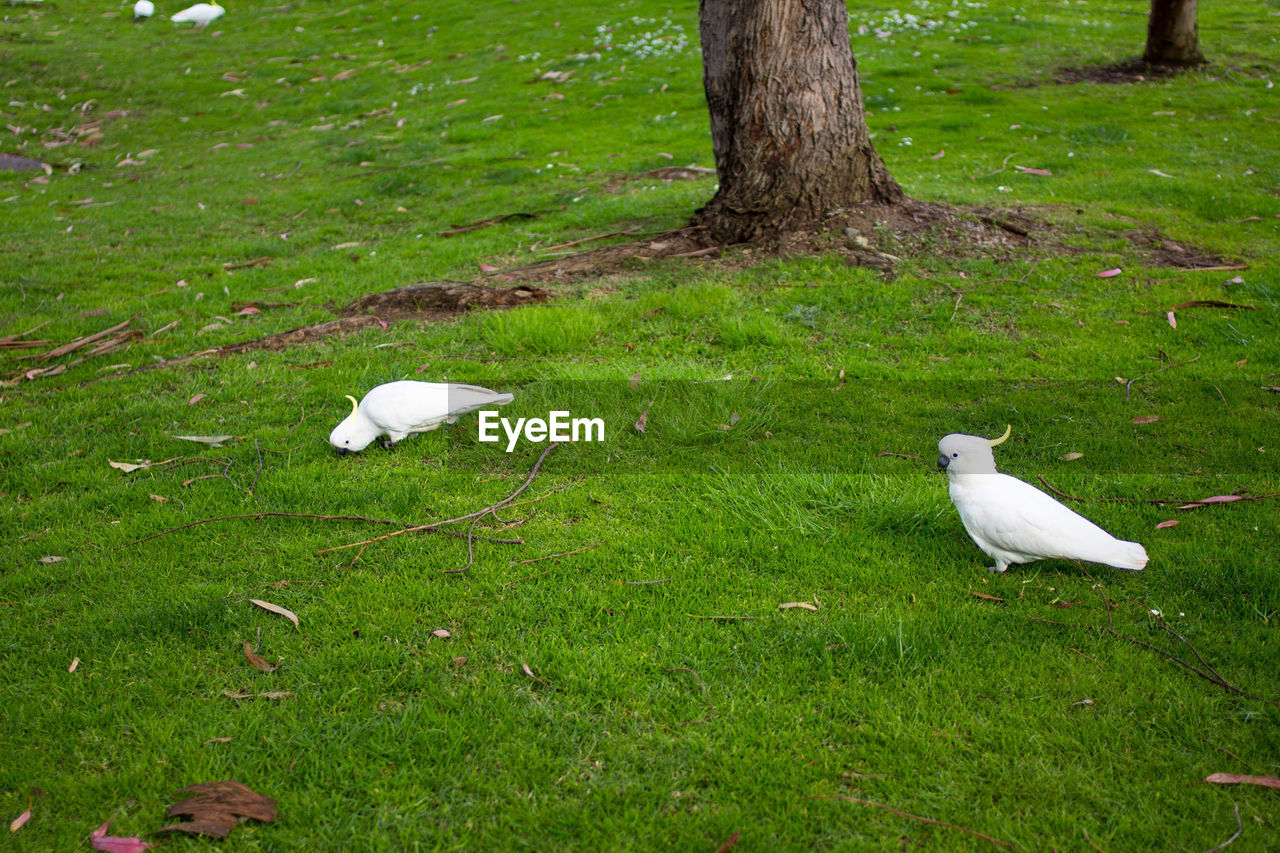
1173, 36
787, 123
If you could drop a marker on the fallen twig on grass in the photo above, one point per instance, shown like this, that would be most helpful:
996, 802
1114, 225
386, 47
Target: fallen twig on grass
1182, 504
1211, 675
315, 517
236, 265
1090, 840
1128, 386
479, 514
721, 618
1234, 835
916, 817
626, 233
486, 222
561, 554
644, 583
1062, 494
1224, 268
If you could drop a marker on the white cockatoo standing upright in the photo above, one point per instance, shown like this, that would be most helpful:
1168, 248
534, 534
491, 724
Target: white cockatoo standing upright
143, 9
201, 14
398, 409
1014, 522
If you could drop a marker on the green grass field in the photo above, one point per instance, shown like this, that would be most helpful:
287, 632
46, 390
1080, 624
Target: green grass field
792, 409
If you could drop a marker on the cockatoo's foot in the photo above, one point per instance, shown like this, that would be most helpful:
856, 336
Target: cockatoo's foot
386, 443
998, 570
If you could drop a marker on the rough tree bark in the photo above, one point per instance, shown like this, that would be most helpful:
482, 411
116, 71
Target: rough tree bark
787, 122
1173, 35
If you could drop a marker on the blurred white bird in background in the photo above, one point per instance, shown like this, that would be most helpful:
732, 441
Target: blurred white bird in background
201, 14
143, 9
398, 409
1014, 522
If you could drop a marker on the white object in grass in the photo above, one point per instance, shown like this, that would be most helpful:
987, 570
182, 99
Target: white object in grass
143, 9
398, 409
1014, 522
201, 14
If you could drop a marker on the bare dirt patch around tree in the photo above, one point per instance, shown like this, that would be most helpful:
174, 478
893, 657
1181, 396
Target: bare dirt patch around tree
1128, 72
873, 236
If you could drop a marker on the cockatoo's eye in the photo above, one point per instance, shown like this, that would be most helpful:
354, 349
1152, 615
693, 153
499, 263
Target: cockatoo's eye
955, 455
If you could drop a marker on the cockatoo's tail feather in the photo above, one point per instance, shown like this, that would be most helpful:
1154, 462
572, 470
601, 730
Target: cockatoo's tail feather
399, 409
1014, 522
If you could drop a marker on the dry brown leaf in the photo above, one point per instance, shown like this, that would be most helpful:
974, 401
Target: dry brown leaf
218, 807
1146, 419
441, 633
259, 662
211, 440
75, 664
459, 660
1071, 457
51, 559
129, 467
643, 422
524, 667
1240, 779
217, 740
158, 499
804, 605
984, 596
276, 608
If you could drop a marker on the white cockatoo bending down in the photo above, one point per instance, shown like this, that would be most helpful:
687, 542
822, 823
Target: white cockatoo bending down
143, 10
201, 14
1014, 522
398, 409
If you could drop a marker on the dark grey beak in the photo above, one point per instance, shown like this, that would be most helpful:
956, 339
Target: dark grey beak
943, 461
341, 451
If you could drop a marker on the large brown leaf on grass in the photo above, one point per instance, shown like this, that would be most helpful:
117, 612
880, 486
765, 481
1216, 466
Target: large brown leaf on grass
217, 807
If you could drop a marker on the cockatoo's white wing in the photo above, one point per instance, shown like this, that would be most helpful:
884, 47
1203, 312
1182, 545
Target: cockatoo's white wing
201, 14
406, 406
1015, 521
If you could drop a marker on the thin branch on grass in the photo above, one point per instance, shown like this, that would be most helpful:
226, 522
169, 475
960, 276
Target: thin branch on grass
1090, 840
1129, 385
1094, 661
721, 618
1189, 504
561, 554
1160, 623
627, 233
435, 525
1211, 676
1062, 494
354, 559
1225, 268
1234, 836
646, 583
916, 817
